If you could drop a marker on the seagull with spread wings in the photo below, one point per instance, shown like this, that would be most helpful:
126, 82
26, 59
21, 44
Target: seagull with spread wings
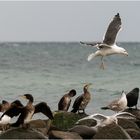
103, 120
108, 46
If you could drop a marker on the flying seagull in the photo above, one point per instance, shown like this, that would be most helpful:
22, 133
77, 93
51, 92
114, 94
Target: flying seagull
108, 46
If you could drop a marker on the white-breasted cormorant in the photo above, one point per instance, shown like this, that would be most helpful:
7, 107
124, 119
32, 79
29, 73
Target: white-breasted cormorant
10, 113
4, 106
27, 112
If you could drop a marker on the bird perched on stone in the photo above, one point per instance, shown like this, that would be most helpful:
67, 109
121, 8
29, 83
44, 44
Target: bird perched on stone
132, 98
4, 106
118, 104
26, 112
10, 113
65, 101
81, 101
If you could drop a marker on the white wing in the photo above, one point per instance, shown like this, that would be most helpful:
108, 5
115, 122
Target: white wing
91, 56
125, 115
97, 117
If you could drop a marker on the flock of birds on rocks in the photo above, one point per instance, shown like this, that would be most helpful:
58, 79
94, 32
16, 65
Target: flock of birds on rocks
107, 47
25, 113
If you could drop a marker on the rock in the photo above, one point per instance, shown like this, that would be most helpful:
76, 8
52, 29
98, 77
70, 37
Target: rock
112, 131
135, 134
66, 120
135, 112
21, 133
44, 131
89, 122
84, 131
127, 124
63, 135
37, 123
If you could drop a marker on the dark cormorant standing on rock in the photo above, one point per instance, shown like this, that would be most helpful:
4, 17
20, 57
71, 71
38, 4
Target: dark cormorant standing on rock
132, 98
65, 101
81, 101
28, 111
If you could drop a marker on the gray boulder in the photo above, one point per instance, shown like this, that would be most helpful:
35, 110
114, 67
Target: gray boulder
127, 124
63, 135
135, 134
84, 131
21, 133
112, 131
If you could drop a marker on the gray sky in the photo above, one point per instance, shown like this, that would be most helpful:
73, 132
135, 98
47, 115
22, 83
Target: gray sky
67, 21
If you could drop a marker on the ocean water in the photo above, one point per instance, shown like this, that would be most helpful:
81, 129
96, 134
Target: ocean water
49, 70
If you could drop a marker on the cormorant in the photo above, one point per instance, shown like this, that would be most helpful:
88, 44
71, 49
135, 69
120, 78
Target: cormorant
4, 106
65, 101
81, 101
10, 113
132, 98
28, 111
118, 104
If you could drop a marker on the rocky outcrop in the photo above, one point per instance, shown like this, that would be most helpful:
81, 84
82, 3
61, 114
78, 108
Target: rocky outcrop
63, 135
66, 120
112, 132
84, 131
21, 133
63, 127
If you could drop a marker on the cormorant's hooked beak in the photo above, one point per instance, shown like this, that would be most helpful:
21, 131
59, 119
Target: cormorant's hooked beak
23, 97
89, 84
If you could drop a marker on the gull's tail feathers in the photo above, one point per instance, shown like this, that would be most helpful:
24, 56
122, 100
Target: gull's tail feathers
91, 56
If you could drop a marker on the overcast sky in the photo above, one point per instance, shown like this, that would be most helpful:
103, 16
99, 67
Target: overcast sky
67, 21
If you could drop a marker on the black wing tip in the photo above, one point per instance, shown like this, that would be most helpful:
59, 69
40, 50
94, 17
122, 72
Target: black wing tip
117, 15
81, 42
104, 108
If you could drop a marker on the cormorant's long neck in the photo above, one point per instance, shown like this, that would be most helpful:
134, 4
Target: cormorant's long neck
86, 90
30, 102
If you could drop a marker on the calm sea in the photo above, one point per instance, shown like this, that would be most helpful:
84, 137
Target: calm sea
49, 70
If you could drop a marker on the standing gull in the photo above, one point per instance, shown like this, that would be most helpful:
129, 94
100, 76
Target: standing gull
108, 46
118, 104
